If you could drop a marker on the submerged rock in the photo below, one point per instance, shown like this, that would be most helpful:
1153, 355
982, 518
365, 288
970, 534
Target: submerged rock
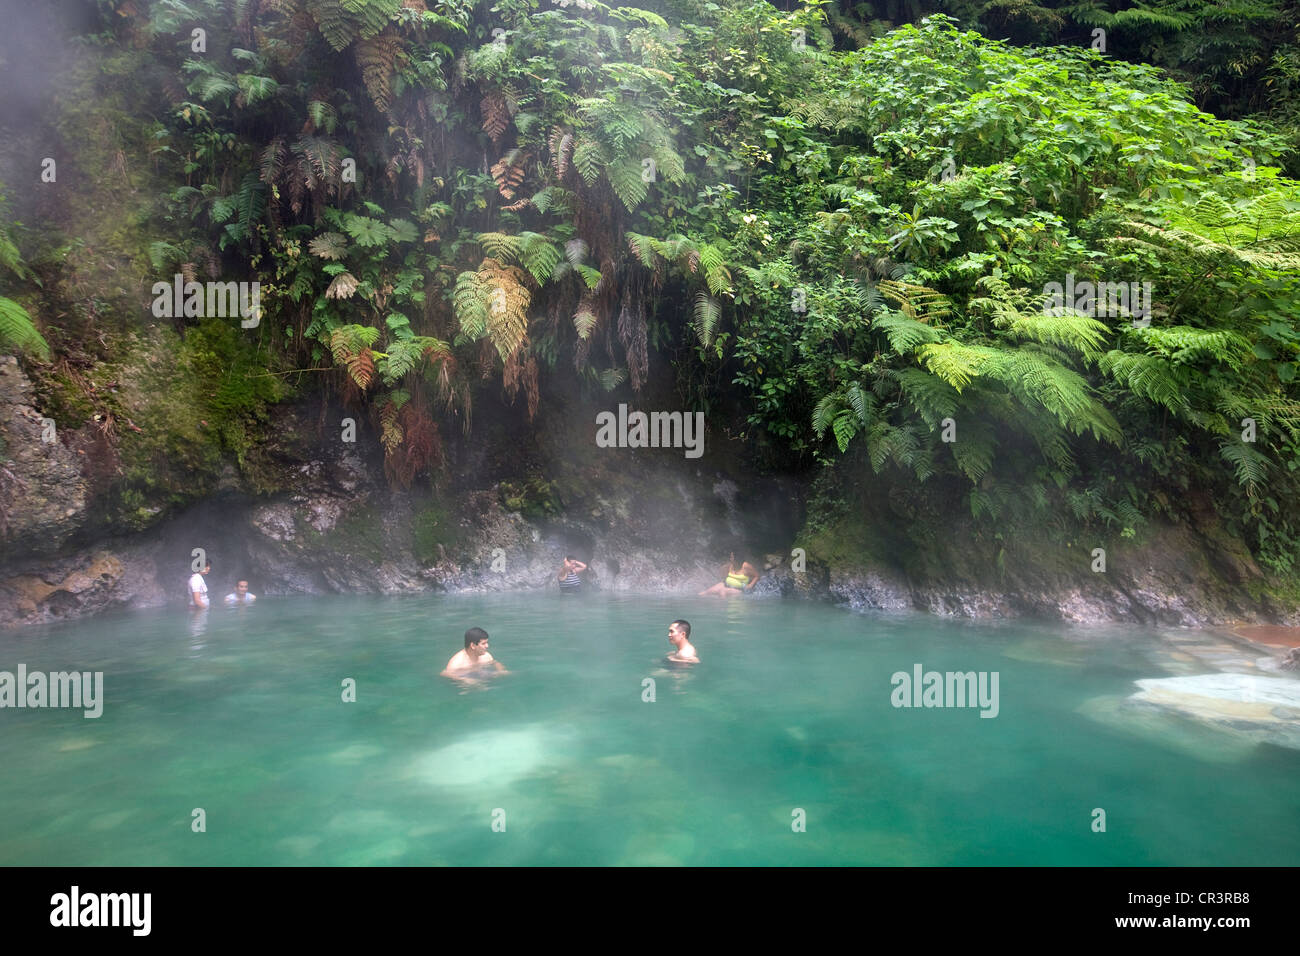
1166, 728
1264, 709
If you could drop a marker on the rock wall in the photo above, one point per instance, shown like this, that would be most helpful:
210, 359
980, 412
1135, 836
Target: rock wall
645, 520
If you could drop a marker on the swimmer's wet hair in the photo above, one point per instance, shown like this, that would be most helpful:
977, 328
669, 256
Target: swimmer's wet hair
685, 626
474, 635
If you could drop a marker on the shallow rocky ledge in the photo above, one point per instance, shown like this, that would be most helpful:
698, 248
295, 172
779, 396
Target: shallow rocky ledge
290, 546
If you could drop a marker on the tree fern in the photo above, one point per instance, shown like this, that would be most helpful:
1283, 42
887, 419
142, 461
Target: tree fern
612, 378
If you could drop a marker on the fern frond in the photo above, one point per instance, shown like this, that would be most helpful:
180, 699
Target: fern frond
378, 59
499, 245
916, 301
1250, 465
625, 179
707, 312
18, 331
584, 319
905, 334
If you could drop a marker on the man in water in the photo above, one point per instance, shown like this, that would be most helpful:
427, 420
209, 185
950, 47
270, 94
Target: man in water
240, 595
679, 636
570, 583
199, 588
474, 656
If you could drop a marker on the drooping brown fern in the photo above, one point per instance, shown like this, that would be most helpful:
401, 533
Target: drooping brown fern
508, 302
521, 372
497, 109
508, 171
420, 447
378, 59
494, 300
560, 144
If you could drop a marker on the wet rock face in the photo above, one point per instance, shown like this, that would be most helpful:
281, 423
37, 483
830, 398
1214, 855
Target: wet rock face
42, 491
102, 581
320, 518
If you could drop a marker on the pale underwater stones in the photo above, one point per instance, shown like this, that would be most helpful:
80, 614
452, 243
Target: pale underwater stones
489, 759
658, 849
1264, 709
110, 821
354, 753
384, 853
298, 845
1165, 728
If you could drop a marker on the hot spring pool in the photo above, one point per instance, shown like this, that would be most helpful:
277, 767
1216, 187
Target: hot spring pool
241, 714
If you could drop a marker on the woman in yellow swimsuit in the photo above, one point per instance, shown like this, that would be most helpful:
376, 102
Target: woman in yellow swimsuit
736, 580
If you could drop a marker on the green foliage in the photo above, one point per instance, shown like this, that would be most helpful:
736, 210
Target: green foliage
17, 331
434, 529
533, 498
845, 251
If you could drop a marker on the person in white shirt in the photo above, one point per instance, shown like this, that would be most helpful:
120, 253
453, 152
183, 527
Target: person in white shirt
199, 587
240, 595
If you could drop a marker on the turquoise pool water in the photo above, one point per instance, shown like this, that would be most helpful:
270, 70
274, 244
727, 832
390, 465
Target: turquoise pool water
241, 714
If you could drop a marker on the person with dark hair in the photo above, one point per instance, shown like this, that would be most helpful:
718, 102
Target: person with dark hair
736, 580
240, 595
679, 636
474, 655
570, 583
199, 587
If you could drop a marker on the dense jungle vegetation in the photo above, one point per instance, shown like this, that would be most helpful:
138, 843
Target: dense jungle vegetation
832, 227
